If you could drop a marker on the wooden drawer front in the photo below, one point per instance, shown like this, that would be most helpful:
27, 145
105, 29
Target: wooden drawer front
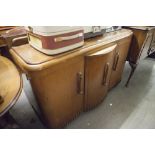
97, 74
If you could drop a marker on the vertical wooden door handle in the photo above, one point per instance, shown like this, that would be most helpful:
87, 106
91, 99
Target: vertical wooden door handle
105, 73
1, 99
79, 83
115, 61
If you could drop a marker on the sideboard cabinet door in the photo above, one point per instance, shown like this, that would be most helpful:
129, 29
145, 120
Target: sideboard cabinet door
120, 55
59, 90
98, 68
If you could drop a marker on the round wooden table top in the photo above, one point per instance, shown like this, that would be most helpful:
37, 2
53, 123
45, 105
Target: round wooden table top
10, 85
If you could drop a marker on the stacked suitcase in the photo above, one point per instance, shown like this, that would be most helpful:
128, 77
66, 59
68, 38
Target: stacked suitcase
53, 40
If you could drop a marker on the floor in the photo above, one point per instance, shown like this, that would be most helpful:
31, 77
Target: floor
132, 107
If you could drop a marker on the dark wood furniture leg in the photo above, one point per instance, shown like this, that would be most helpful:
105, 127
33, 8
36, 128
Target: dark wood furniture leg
133, 67
150, 47
8, 122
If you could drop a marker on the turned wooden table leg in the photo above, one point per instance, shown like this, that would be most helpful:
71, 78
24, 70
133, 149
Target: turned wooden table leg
133, 67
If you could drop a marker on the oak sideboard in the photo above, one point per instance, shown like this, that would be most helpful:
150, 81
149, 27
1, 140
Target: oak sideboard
75, 81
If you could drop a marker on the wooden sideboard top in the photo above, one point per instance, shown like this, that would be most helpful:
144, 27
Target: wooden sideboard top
30, 59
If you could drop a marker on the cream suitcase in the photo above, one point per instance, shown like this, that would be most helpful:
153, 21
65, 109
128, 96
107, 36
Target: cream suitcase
93, 31
53, 40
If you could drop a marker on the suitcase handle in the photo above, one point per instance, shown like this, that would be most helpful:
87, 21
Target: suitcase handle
59, 39
105, 73
1, 99
79, 83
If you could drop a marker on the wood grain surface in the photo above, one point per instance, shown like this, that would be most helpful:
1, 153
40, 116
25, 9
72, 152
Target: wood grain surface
10, 85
